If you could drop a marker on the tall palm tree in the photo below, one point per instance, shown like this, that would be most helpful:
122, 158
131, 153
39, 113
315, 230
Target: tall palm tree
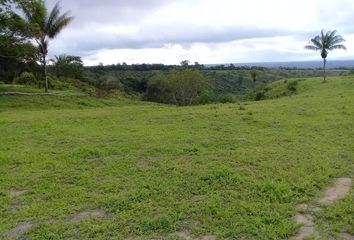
48, 26
326, 42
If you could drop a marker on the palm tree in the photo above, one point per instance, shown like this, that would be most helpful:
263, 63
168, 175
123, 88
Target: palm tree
48, 26
68, 66
254, 74
326, 42
66, 60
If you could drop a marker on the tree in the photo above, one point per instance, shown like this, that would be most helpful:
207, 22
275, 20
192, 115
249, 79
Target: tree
254, 74
179, 87
68, 66
185, 64
48, 27
17, 54
324, 43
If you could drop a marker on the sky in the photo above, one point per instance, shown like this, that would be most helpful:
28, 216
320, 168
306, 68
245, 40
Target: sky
204, 31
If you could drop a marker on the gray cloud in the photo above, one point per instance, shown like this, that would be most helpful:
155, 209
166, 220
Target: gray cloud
87, 12
124, 24
159, 36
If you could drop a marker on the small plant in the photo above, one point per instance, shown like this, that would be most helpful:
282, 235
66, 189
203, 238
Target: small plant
242, 108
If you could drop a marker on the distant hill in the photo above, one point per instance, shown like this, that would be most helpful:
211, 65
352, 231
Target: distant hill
297, 64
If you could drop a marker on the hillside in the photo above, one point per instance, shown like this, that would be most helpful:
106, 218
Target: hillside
74, 167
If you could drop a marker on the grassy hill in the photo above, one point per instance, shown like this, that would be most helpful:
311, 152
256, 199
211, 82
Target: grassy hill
74, 167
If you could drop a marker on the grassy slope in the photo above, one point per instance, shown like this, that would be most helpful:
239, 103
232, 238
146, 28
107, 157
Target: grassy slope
70, 99
157, 170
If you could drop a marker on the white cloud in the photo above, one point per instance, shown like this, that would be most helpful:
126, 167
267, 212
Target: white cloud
207, 31
254, 50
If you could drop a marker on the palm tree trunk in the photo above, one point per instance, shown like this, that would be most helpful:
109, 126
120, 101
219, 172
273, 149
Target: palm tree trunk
324, 70
45, 73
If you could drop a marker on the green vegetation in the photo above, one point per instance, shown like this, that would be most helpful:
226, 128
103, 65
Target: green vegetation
17, 53
47, 26
150, 171
220, 85
179, 87
338, 218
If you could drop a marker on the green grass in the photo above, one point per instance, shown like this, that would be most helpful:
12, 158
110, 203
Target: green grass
68, 99
19, 88
227, 170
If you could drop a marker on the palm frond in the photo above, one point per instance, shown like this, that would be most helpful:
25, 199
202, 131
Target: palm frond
310, 47
325, 42
338, 46
34, 12
332, 34
316, 42
58, 24
39, 12
54, 14
337, 39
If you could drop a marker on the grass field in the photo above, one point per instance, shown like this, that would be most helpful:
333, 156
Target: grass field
79, 168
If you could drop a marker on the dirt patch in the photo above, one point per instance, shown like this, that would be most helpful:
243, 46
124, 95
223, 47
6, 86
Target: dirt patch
305, 233
308, 229
198, 198
346, 236
208, 238
16, 193
185, 235
302, 207
87, 214
26, 94
306, 220
19, 230
16, 204
146, 161
338, 191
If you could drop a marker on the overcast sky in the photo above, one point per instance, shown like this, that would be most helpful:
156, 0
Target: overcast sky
204, 31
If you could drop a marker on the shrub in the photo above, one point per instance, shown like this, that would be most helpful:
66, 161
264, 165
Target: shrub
207, 97
292, 86
108, 82
226, 99
26, 78
260, 96
57, 84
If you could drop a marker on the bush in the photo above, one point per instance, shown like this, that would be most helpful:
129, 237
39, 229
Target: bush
57, 84
260, 96
26, 78
227, 98
108, 82
292, 86
207, 97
